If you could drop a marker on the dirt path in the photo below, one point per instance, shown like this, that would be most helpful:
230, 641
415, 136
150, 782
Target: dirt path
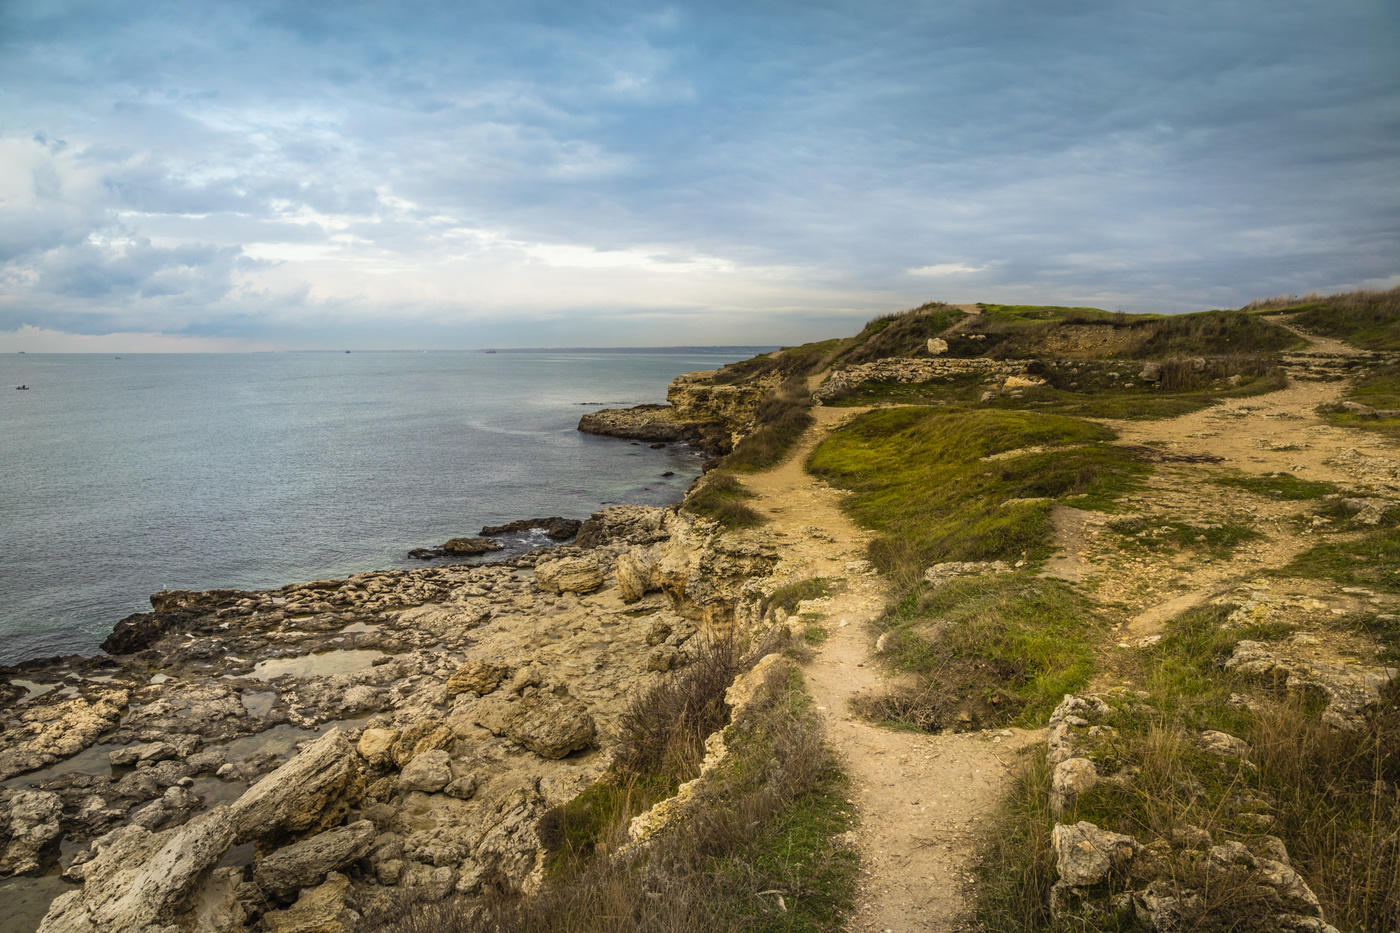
920, 798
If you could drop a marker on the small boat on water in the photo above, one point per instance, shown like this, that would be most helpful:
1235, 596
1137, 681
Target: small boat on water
25, 388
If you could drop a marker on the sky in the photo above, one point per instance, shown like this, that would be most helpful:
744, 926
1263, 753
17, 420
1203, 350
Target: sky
292, 175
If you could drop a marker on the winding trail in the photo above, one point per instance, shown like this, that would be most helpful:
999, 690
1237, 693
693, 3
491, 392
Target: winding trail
919, 798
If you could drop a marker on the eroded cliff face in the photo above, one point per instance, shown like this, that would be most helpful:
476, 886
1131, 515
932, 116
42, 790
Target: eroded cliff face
694, 397
699, 412
439, 713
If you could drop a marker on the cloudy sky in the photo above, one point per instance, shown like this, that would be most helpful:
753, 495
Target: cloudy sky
244, 175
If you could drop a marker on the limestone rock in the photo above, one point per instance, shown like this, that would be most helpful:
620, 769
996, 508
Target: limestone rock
1221, 743
305, 864
467, 547
664, 658
1151, 372
425, 736
636, 573
1085, 854
569, 575
139, 882
60, 728
429, 772
1072, 777
547, 725
375, 745
307, 794
937, 346
477, 677
464, 788
319, 910
33, 818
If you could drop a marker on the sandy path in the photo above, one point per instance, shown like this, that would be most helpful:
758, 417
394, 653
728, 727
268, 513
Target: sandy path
919, 798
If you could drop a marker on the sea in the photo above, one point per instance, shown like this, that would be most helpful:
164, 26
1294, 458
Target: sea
124, 475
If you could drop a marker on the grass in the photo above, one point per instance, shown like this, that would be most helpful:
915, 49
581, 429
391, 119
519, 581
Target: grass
721, 497
1281, 486
988, 651
1380, 389
1021, 331
1363, 318
1218, 539
905, 334
916, 477
788, 362
1088, 392
787, 597
1312, 786
778, 424
759, 855
1367, 561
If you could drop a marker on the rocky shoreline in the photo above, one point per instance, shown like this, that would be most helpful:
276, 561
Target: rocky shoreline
294, 759
438, 711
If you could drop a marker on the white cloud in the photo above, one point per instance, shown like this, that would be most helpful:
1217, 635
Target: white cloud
945, 268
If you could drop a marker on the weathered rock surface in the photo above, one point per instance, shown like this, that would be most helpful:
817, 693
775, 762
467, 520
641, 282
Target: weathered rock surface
546, 725
139, 882
29, 823
322, 909
570, 575
560, 529
1086, 855
305, 864
429, 772
309, 793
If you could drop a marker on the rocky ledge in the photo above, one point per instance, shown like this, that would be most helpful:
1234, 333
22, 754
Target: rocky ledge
291, 759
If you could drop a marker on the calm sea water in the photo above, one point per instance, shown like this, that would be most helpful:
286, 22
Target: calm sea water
122, 476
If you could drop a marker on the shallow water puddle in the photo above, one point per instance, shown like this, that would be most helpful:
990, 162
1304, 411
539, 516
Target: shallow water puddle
26, 900
359, 628
259, 702
347, 661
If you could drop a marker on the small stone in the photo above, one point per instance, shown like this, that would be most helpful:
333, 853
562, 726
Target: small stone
463, 788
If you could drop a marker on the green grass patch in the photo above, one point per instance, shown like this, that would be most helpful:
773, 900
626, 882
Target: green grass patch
1093, 400
1368, 560
788, 596
988, 650
789, 361
1218, 539
917, 479
1380, 390
721, 497
1282, 486
905, 334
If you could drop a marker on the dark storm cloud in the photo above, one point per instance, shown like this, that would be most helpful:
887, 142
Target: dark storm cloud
316, 165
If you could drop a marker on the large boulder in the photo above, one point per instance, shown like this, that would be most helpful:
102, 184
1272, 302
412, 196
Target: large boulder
28, 825
569, 575
140, 882
547, 725
311, 792
305, 864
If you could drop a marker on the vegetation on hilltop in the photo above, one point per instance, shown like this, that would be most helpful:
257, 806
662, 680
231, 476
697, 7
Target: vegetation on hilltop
1364, 318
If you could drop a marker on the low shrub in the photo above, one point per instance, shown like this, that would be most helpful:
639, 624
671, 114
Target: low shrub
721, 497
